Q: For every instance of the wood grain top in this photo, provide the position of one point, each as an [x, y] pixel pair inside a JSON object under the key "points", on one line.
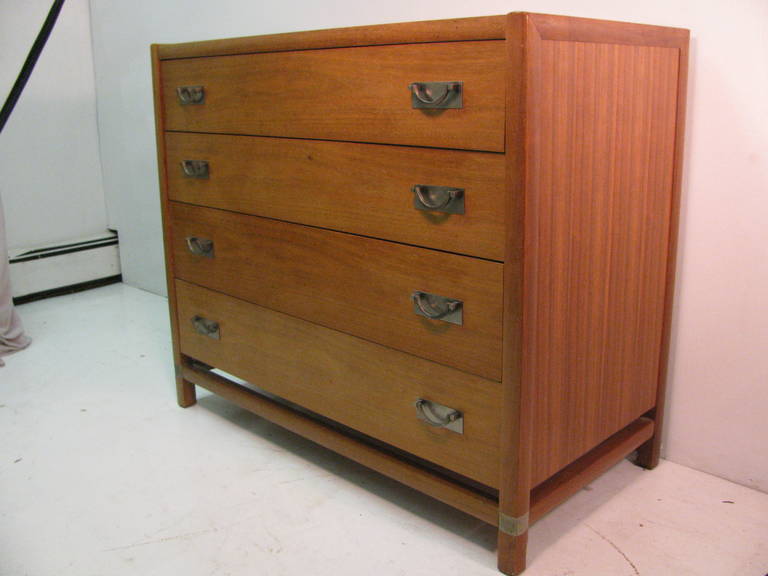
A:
{"points": [[590, 30], [453, 30]]}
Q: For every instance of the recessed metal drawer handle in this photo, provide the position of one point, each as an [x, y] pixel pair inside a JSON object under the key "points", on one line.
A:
{"points": [[437, 307], [190, 95], [200, 246], [440, 416], [195, 168], [439, 95], [438, 198], [206, 327]]}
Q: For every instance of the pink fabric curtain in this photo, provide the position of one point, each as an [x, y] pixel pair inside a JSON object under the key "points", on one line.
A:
{"points": [[12, 337]]}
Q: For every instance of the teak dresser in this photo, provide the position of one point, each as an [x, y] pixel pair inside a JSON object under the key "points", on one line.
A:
{"points": [[445, 249]]}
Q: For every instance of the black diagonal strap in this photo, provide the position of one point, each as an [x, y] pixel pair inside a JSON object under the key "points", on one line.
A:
{"points": [[29, 63]]}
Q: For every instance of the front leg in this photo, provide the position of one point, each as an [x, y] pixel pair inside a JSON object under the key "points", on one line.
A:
{"points": [[512, 552]]}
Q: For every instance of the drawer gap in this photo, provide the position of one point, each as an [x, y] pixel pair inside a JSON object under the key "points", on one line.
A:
{"points": [[258, 135], [297, 223]]}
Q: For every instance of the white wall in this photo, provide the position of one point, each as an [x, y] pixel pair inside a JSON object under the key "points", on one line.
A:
{"points": [[719, 366], [50, 174]]}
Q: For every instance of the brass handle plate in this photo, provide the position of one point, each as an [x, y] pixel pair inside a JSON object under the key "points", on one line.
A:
{"points": [[438, 199], [195, 168], [437, 95], [438, 307], [190, 95], [206, 327], [440, 416], [200, 246]]}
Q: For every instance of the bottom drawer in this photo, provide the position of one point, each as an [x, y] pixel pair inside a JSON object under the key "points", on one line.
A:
{"points": [[368, 387]]}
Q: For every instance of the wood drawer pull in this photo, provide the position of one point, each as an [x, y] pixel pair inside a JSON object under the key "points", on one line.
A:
{"points": [[200, 246], [195, 168], [206, 327], [437, 95], [438, 199], [440, 416], [190, 95], [437, 307]]}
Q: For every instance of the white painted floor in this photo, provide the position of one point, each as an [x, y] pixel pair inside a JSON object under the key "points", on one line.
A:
{"points": [[102, 474]]}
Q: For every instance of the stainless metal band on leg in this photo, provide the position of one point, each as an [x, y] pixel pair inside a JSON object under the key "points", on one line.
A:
{"points": [[513, 526]]}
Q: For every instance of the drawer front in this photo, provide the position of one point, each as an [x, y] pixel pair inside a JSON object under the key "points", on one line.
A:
{"points": [[368, 387], [361, 188], [351, 283], [356, 94]]}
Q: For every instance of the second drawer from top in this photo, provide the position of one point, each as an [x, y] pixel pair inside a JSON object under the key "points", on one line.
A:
{"points": [[446, 199]]}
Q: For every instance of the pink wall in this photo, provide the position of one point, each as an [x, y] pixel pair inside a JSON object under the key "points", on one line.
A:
{"points": [[719, 364]]}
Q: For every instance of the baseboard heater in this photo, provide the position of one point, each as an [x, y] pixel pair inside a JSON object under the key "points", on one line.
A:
{"points": [[63, 268]]}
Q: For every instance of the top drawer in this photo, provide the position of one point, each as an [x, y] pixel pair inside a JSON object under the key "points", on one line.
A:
{"points": [[355, 94]]}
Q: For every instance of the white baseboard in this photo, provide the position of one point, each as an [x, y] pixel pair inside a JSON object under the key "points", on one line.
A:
{"points": [[49, 268]]}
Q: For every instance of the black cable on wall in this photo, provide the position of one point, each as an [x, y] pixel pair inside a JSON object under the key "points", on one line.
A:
{"points": [[29, 63]]}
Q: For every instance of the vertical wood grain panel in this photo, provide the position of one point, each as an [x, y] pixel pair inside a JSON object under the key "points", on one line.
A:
{"points": [[649, 453], [602, 150], [515, 483]]}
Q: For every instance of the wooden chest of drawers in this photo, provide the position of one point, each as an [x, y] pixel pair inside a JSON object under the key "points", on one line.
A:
{"points": [[443, 249]]}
